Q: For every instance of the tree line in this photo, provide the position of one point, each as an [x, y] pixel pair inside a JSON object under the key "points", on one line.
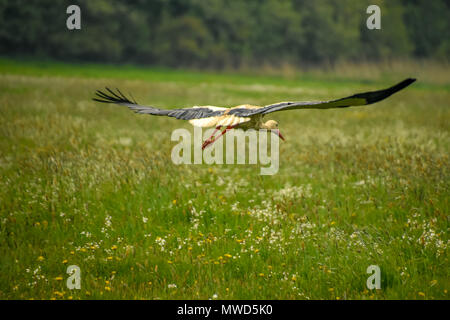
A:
{"points": [[225, 33]]}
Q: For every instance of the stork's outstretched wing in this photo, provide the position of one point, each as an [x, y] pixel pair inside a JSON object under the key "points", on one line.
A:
{"points": [[183, 114], [358, 99], [208, 116]]}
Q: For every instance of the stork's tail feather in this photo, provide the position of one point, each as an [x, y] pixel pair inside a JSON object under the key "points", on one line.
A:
{"points": [[113, 97]]}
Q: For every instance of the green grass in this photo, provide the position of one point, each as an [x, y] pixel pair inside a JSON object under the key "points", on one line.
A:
{"points": [[93, 185]]}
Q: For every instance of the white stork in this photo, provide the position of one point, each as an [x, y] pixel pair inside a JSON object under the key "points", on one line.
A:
{"points": [[246, 116]]}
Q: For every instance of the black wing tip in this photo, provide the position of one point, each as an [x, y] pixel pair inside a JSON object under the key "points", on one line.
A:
{"points": [[401, 85], [407, 82], [112, 97], [375, 96], [100, 100]]}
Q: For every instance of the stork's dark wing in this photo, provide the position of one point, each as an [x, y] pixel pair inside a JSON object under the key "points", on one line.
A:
{"points": [[183, 114], [358, 99]]}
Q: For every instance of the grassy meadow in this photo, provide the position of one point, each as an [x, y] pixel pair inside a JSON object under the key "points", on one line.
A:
{"points": [[93, 185]]}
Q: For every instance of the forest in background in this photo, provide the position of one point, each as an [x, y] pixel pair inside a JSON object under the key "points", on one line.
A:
{"points": [[219, 34]]}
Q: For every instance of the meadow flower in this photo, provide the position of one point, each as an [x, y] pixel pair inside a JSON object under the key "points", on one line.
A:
{"points": [[292, 192], [161, 242], [58, 293], [108, 222], [86, 234]]}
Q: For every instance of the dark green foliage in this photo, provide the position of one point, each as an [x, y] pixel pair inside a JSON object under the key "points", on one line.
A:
{"points": [[220, 33]]}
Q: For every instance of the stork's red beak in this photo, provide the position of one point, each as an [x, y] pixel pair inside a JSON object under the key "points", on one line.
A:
{"points": [[278, 133]]}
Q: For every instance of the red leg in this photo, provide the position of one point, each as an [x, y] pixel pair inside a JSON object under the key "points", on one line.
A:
{"points": [[221, 134], [210, 139]]}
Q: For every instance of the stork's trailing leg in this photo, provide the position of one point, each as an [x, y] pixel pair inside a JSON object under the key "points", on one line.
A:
{"points": [[212, 139]]}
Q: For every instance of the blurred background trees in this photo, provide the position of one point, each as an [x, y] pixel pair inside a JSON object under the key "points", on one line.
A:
{"points": [[225, 34]]}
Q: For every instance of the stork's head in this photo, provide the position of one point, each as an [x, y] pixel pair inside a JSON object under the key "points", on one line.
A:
{"points": [[272, 125]]}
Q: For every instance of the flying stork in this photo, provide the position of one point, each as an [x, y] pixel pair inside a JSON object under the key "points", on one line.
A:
{"points": [[245, 116]]}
